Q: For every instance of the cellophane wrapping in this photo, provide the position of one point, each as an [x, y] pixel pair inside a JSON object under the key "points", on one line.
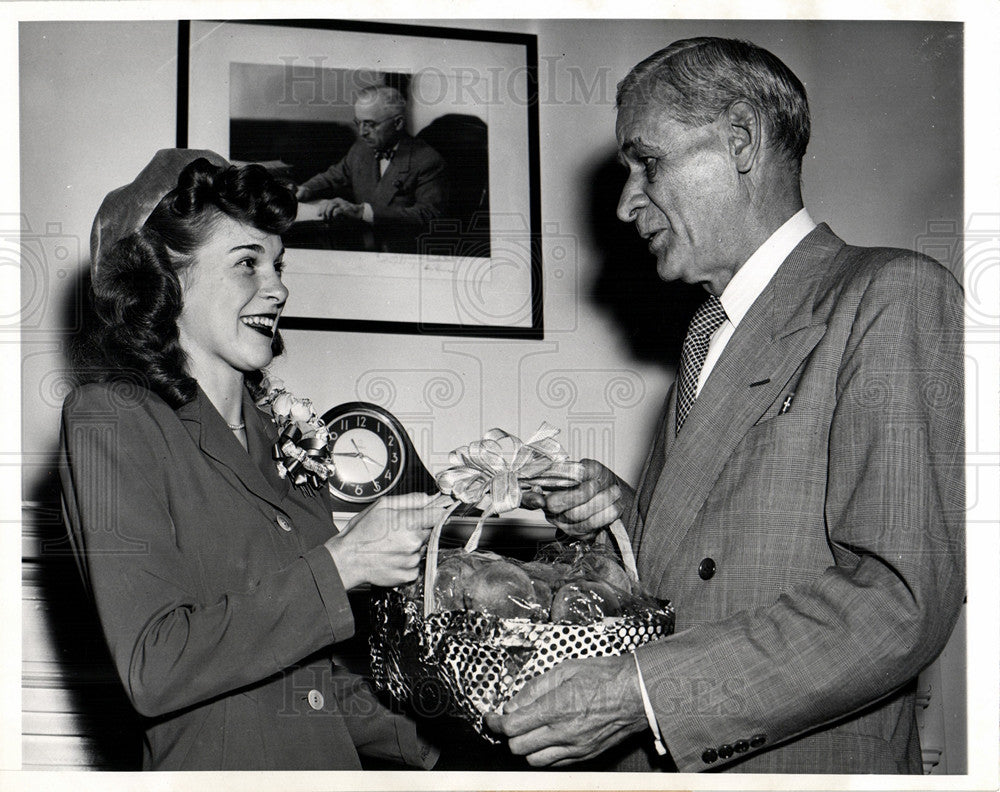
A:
{"points": [[472, 655]]}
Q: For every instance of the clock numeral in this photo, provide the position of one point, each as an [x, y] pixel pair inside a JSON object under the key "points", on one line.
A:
{"points": [[391, 441], [395, 457], [359, 490], [343, 425], [362, 421], [388, 474], [378, 487]]}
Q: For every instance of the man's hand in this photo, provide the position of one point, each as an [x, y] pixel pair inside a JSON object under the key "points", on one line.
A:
{"points": [[338, 207], [597, 501], [576, 711]]}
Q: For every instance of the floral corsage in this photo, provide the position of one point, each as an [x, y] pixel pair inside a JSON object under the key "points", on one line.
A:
{"points": [[303, 450]]}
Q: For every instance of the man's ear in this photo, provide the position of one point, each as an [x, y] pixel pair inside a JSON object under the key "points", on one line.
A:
{"points": [[744, 134]]}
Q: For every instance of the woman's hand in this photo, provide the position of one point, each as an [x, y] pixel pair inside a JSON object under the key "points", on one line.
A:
{"points": [[598, 500], [383, 544]]}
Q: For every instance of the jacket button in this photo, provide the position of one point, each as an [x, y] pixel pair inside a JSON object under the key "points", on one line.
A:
{"points": [[706, 569], [709, 756], [284, 523], [315, 699], [757, 740], [741, 746], [725, 751]]}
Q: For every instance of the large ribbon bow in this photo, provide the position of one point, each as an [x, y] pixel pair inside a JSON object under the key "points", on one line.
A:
{"points": [[493, 472]]}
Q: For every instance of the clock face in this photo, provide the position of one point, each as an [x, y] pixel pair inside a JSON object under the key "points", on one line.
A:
{"points": [[368, 455]]}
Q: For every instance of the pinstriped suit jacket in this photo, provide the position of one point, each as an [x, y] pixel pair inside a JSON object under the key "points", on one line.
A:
{"points": [[835, 524]]}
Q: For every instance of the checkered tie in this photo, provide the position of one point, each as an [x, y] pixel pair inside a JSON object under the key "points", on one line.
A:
{"points": [[706, 321]]}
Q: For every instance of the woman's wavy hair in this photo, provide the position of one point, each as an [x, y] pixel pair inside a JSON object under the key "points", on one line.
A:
{"points": [[136, 291]]}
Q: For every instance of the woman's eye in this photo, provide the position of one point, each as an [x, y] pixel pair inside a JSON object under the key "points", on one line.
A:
{"points": [[248, 263], [279, 267]]}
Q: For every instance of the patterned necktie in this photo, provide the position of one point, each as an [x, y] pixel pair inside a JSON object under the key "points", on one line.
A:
{"points": [[707, 319]]}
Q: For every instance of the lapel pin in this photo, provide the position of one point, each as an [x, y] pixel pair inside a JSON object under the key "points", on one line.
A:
{"points": [[786, 405]]}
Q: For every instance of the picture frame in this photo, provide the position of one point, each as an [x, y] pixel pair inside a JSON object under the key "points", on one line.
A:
{"points": [[282, 92]]}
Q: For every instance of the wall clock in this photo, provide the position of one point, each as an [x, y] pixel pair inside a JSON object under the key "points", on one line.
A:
{"points": [[373, 456]]}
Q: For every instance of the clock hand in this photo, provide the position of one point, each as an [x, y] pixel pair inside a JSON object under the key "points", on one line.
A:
{"points": [[364, 458], [347, 454]]}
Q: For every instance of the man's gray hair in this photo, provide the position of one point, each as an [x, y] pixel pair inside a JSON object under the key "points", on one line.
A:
{"points": [[388, 96], [699, 79]]}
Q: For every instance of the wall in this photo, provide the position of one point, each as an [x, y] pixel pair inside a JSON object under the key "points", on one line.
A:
{"points": [[885, 162]]}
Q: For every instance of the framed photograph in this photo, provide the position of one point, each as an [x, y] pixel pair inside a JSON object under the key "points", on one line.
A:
{"points": [[414, 151]]}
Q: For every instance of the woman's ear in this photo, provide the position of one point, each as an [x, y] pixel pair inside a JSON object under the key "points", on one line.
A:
{"points": [[744, 135]]}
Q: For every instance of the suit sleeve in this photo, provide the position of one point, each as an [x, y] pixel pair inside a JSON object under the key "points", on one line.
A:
{"points": [[894, 507], [173, 648], [333, 182], [429, 194]]}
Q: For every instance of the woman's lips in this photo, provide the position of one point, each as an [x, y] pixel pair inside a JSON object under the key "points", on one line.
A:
{"points": [[265, 324]]}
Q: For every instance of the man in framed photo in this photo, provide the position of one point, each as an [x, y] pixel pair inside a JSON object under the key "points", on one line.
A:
{"points": [[389, 185]]}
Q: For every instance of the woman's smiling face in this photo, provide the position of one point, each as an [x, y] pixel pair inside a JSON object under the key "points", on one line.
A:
{"points": [[231, 298]]}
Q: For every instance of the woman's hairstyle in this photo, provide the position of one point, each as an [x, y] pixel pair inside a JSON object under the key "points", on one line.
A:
{"points": [[697, 80], [132, 331]]}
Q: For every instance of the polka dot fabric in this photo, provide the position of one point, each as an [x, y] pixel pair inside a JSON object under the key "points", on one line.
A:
{"points": [[467, 664]]}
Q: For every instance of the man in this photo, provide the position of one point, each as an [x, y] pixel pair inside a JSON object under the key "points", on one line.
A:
{"points": [[389, 182], [802, 503]]}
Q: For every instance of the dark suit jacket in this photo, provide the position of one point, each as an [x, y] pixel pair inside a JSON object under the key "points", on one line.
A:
{"points": [[404, 199], [216, 595], [835, 526]]}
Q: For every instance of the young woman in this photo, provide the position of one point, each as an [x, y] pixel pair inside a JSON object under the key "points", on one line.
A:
{"points": [[220, 585]]}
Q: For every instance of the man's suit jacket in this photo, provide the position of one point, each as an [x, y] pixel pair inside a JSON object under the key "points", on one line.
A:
{"points": [[807, 522], [404, 199], [217, 598]]}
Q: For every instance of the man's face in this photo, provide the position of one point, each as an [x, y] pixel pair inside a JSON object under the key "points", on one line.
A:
{"points": [[682, 193], [378, 126]]}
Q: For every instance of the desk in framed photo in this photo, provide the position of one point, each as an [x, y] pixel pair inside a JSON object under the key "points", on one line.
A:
{"points": [[451, 241]]}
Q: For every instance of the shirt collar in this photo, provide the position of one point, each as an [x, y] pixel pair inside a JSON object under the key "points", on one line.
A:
{"points": [[749, 280]]}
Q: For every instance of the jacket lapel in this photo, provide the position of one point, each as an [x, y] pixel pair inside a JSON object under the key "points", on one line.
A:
{"points": [[776, 335], [217, 441], [397, 173]]}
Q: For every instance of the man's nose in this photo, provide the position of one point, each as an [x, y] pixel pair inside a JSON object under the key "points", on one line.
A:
{"points": [[631, 200]]}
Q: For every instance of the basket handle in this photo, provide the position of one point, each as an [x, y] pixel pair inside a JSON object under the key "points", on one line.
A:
{"points": [[616, 529]]}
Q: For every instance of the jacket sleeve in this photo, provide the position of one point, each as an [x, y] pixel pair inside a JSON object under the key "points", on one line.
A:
{"points": [[894, 510], [173, 648], [333, 182]]}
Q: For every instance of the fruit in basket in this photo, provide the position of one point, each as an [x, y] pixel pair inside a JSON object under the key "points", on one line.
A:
{"points": [[504, 589], [584, 601], [604, 567], [454, 575]]}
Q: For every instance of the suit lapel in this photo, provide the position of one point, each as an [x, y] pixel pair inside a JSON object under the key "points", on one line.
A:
{"points": [[776, 335], [397, 172], [217, 441]]}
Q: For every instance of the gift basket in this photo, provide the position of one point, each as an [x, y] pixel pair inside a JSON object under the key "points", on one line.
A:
{"points": [[468, 635]]}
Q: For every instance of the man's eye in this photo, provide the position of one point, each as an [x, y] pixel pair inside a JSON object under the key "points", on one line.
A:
{"points": [[650, 164]]}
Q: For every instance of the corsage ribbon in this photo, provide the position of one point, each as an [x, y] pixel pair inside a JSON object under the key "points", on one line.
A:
{"points": [[302, 456], [302, 450]]}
